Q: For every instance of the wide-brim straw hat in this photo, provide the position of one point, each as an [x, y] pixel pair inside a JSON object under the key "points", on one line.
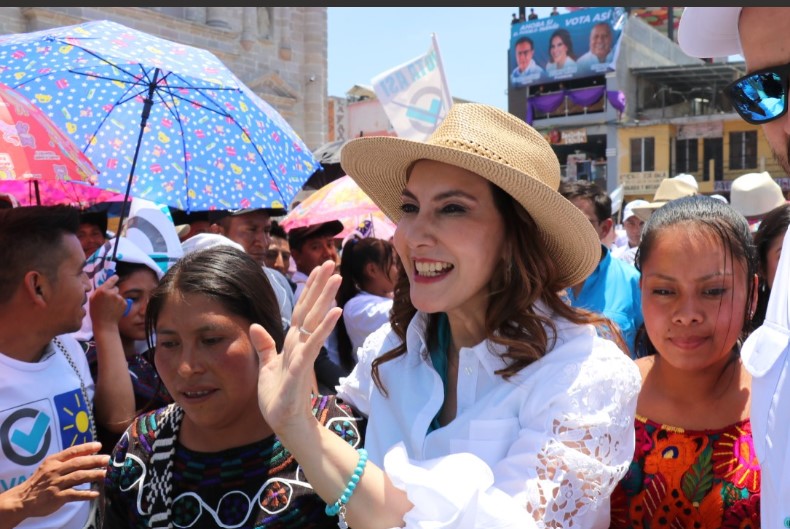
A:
{"points": [[669, 189], [502, 149]]}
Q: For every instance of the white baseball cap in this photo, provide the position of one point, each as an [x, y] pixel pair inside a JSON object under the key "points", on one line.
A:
{"points": [[628, 211], [709, 31]]}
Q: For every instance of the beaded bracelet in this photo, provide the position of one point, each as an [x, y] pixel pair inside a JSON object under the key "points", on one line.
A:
{"points": [[338, 508]]}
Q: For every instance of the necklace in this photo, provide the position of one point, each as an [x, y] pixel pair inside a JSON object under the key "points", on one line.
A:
{"points": [[83, 389]]}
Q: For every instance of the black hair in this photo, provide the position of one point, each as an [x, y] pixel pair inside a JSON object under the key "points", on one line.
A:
{"points": [[357, 253], [227, 275], [774, 224], [602, 202], [278, 231], [31, 238], [525, 39], [705, 216], [565, 37]]}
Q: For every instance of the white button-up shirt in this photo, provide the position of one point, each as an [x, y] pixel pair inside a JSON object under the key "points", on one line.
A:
{"points": [[545, 447]]}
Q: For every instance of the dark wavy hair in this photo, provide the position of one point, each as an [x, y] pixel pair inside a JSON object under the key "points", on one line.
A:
{"points": [[356, 255], [565, 37], [526, 275], [227, 275], [774, 225], [701, 215]]}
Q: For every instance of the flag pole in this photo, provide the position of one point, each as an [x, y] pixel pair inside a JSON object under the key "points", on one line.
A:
{"points": [[445, 86]]}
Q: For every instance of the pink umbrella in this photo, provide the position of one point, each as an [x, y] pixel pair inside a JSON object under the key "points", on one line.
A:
{"points": [[36, 154], [342, 200], [51, 192]]}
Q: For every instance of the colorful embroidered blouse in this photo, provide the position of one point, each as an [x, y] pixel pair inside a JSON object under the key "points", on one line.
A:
{"points": [[689, 479], [258, 486]]}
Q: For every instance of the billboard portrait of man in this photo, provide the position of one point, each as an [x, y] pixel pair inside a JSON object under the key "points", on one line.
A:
{"points": [[527, 70], [601, 52]]}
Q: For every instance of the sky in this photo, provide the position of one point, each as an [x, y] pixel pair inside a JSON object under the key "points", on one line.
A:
{"points": [[473, 43]]}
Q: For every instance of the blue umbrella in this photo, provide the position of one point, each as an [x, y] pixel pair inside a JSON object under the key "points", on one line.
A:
{"points": [[160, 120]]}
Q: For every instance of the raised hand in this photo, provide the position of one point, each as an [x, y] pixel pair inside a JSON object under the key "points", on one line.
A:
{"points": [[285, 380], [107, 306], [53, 482]]}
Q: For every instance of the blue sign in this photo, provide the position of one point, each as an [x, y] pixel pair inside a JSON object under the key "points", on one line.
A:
{"points": [[580, 44]]}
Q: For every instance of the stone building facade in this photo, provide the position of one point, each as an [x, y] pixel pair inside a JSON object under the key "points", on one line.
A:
{"points": [[279, 52]]}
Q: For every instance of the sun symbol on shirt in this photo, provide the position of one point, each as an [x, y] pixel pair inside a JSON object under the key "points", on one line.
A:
{"points": [[73, 418]]}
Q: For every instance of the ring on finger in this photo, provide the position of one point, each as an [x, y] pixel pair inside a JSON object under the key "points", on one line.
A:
{"points": [[305, 332]]}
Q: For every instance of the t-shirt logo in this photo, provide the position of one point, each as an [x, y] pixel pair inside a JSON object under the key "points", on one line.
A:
{"points": [[26, 431]]}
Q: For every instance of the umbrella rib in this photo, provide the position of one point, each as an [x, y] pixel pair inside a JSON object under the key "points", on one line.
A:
{"points": [[173, 109], [103, 120], [135, 82], [100, 58]]}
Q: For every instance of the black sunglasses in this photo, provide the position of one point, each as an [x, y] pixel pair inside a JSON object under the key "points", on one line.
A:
{"points": [[761, 96]]}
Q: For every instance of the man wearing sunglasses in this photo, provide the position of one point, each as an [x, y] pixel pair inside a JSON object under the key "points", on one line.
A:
{"points": [[760, 97]]}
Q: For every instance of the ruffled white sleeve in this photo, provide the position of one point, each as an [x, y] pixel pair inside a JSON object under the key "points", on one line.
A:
{"points": [[571, 444]]}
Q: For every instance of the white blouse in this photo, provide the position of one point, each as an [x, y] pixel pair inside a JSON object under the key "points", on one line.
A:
{"points": [[542, 449], [363, 314]]}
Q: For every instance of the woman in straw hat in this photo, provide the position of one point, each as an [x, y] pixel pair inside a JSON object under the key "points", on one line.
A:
{"points": [[491, 402]]}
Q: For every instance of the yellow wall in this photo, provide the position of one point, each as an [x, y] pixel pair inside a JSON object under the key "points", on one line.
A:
{"points": [[664, 135]]}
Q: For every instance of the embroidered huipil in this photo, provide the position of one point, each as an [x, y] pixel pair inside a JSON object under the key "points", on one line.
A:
{"points": [[544, 448]]}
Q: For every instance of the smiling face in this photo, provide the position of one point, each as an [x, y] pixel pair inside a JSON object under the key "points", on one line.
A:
{"points": [[137, 286], [91, 238], [208, 364], [762, 32], [693, 314], [558, 51], [601, 41], [450, 238]]}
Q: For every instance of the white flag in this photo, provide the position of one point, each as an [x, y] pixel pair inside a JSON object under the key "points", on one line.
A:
{"points": [[415, 95]]}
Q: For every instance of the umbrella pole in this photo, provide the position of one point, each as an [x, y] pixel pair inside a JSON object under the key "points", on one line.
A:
{"points": [[38, 194], [148, 102]]}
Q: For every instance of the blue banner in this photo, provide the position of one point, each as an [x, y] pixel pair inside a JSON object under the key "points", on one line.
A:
{"points": [[580, 44]]}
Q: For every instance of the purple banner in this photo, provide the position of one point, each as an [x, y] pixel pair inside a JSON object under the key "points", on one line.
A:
{"points": [[584, 97]]}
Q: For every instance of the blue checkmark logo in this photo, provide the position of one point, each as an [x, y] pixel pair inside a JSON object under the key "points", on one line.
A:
{"points": [[31, 440]]}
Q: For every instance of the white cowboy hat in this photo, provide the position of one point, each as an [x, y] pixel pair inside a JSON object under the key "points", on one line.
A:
{"points": [[502, 149], [755, 194], [668, 189]]}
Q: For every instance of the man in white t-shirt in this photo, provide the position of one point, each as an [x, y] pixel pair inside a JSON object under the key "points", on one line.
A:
{"points": [[47, 395]]}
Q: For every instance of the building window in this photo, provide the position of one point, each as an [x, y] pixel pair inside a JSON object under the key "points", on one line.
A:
{"points": [[686, 156], [743, 149], [643, 155]]}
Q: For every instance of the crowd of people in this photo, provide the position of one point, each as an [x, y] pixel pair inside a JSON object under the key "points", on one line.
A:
{"points": [[504, 360]]}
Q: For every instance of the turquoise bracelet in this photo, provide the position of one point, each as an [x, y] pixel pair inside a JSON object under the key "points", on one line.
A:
{"points": [[334, 508]]}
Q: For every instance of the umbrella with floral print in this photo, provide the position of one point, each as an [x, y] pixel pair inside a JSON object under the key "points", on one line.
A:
{"points": [[160, 120]]}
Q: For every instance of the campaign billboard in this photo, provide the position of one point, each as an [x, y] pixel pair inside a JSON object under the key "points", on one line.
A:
{"points": [[580, 44]]}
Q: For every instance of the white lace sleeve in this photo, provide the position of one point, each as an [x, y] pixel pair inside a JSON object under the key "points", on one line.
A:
{"points": [[575, 442]]}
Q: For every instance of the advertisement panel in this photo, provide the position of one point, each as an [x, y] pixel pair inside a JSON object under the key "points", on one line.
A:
{"points": [[580, 44]]}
